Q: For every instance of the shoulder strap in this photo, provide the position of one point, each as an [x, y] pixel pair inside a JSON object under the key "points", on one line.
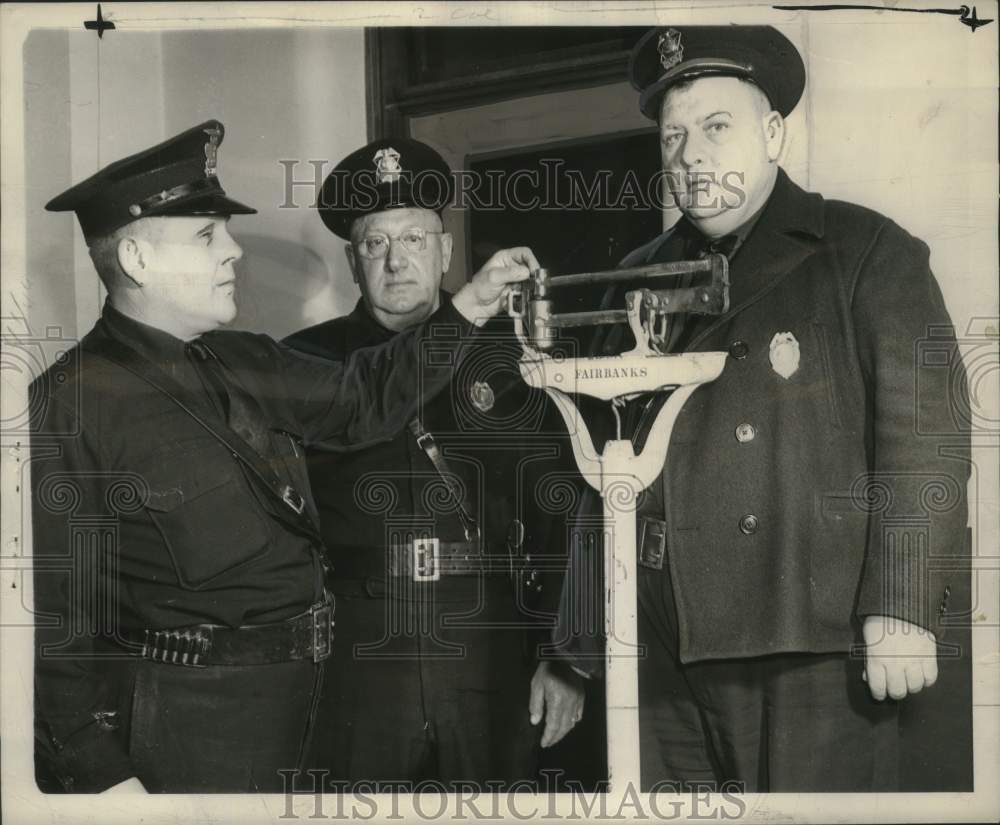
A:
{"points": [[426, 442], [291, 509]]}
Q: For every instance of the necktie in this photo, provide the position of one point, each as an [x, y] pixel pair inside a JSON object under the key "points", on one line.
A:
{"points": [[699, 247], [246, 418], [237, 406]]}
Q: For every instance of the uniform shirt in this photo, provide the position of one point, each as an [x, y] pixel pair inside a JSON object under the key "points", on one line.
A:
{"points": [[143, 520], [365, 496]]}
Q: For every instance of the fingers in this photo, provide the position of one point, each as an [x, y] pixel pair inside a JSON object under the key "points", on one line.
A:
{"points": [[901, 657], [876, 680], [914, 675], [558, 720], [564, 708], [895, 681], [528, 259], [570, 712], [520, 255], [536, 701], [509, 274], [512, 265], [930, 668]]}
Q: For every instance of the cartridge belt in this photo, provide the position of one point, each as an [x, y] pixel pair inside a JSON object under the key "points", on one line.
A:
{"points": [[308, 635]]}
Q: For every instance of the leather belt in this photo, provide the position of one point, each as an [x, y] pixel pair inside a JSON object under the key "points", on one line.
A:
{"points": [[309, 635], [423, 560]]}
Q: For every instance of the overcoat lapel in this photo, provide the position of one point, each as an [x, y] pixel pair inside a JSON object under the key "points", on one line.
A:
{"points": [[782, 239]]}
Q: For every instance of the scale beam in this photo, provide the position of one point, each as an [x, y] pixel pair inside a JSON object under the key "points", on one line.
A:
{"points": [[531, 305]]}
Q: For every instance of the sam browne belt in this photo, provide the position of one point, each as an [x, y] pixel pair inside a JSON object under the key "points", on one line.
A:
{"points": [[424, 560]]}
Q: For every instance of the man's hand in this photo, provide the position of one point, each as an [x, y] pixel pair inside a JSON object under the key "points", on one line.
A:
{"points": [[900, 657], [132, 785], [483, 297], [556, 696]]}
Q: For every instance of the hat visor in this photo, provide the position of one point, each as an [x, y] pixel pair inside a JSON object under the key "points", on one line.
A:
{"points": [[205, 204], [651, 97]]}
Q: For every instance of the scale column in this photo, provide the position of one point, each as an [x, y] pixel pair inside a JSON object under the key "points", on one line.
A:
{"points": [[620, 490]]}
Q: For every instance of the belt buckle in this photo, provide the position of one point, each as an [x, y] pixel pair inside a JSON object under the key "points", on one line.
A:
{"points": [[322, 630], [291, 497], [426, 560], [652, 543]]}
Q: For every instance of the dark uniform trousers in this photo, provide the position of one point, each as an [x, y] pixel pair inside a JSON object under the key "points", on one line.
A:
{"points": [[430, 680], [416, 691], [222, 729], [800, 722]]}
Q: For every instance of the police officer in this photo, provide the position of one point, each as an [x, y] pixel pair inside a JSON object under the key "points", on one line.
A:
{"points": [[433, 544], [777, 537], [182, 620]]}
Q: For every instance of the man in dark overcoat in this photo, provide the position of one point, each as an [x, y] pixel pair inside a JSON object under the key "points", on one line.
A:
{"points": [[793, 554], [182, 624]]}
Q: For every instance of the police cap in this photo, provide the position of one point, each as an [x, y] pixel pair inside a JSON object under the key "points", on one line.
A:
{"points": [[390, 173], [177, 177], [664, 57]]}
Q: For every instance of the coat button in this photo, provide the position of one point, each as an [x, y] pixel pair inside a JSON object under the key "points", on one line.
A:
{"points": [[739, 350], [745, 432], [749, 524]]}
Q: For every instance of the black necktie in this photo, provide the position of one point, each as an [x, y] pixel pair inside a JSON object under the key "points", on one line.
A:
{"points": [[701, 247], [237, 406], [698, 246]]}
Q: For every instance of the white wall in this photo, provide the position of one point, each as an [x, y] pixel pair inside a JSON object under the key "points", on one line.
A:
{"points": [[282, 94], [292, 94], [908, 126], [86, 103]]}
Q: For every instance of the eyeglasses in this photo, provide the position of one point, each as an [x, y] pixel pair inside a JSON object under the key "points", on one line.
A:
{"points": [[377, 245]]}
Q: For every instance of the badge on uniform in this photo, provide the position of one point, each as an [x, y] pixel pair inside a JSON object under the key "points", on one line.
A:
{"points": [[482, 396], [212, 150], [387, 165], [669, 46], [784, 354]]}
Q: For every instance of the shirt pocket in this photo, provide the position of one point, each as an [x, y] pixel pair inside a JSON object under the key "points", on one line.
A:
{"points": [[207, 517]]}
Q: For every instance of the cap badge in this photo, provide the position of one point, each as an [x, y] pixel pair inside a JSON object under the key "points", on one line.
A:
{"points": [[212, 150], [670, 48], [482, 396], [784, 354], [387, 165]]}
